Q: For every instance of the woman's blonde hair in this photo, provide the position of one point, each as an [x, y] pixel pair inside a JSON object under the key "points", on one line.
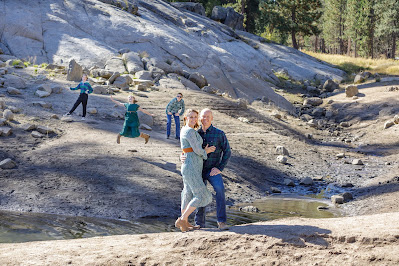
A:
{"points": [[187, 113], [134, 101]]}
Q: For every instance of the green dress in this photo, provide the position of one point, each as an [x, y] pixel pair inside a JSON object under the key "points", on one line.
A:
{"points": [[131, 126]]}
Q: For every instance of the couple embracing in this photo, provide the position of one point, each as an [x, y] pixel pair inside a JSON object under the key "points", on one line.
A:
{"points": [[206, 152]]}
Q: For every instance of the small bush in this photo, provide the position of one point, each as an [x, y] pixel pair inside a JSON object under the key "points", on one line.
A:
{"points": [[16, 62], [282, 76], [43, 65], [27, 64]]}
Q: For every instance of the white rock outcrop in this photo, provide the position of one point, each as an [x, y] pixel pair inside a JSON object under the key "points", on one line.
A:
{"points": [[235, 62]]}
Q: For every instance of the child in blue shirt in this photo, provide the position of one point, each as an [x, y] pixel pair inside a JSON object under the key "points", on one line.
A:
{"points": [[85, 89]]}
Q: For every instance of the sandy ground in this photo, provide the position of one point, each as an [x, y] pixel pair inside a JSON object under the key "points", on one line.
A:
{"points": [[80, 170], [361, 240]]}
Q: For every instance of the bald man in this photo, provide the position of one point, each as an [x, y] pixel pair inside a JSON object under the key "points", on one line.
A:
{"points": [[213, 167]]}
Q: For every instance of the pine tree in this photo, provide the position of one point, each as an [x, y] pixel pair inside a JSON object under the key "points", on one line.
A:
{"points": [[292, 16], [360, 23], [387, 12], [333, 20]]}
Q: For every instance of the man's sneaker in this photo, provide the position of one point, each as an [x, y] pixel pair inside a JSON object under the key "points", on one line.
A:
{"points": [[167, 137], [83, 118], [67, 114], [222, 226], [177, 138]]}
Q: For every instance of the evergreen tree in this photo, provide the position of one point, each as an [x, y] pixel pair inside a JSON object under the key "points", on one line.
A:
{"points": [[332, 24], [252, 15], [360, 23], [292, 16], [387, 12]]}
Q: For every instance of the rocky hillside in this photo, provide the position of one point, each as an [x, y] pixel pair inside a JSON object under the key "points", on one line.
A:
{"points": [[170, 42]]}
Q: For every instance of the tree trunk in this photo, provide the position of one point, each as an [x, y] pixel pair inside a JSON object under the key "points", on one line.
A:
{"points": [[323, 46], [393, 46], [242, 7], [349, 47], [341, 41], [316, 41], [293, 31], [355, 48], [294, 42]]}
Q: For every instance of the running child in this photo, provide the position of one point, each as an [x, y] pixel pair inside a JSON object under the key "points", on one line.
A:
{"points": [[131, 125]]}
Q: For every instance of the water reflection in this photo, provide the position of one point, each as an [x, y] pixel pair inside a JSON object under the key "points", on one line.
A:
{"points": [[24, 227]]}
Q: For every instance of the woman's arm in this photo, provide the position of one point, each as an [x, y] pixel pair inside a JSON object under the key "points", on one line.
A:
{"points": [[118, 103], [146, 112], [195, 144]]}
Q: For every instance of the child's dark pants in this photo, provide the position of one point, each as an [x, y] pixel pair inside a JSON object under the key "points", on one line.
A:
{"points": [[82, 99]]}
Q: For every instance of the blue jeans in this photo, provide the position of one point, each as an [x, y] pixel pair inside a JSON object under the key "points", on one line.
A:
{"points": [[217, 184], [169, 123]]}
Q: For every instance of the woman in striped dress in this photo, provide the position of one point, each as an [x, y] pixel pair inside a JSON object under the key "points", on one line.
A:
{"points": [[194, 194]]}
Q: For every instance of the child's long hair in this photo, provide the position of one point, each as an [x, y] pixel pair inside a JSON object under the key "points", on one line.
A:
{"points": [[134, 98], [187, 113]]}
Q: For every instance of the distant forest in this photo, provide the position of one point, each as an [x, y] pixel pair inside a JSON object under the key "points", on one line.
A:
{"points": [[359, 28]]}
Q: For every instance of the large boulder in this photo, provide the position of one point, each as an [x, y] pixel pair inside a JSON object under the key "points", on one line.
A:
{"points": [[198, 79], [351, 90], [359, 78], [7, 164], [97, 72], [190, 6], [143, 74], [99, 89], [234, 19], [133, 62], [44, 130], [228, 16], [115, 64], [145, 119], [8, 115], [14, 81], [45, 87], [123, 82], [219, 13], [13, 91], [330, 85], [5, 131], [43, 104], [42, 94], [313, 101], [75, 71]]}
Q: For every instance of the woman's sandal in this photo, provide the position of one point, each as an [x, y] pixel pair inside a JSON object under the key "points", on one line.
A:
{"points": [[183, 225]]}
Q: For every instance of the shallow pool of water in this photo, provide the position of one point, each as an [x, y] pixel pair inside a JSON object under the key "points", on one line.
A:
{"points": [[24, 227]]}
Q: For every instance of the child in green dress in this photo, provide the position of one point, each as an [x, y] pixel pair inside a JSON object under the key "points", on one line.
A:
{"points": [[131, 126]]}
